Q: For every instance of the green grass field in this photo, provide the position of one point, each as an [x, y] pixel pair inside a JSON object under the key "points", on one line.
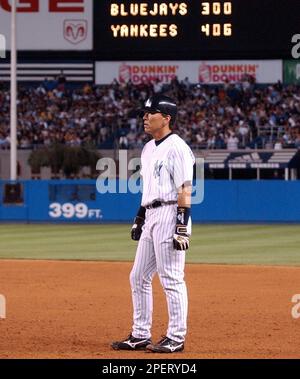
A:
{"points": [[226, 244]]}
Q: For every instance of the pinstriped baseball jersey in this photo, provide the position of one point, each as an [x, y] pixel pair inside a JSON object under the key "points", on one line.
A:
{"points": [[165, 168]]}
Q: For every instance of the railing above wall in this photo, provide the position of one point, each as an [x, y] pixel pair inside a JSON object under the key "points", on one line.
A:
{"points": [[37, 72]]}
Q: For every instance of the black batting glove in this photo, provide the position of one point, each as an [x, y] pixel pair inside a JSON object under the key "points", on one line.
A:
{"points": [[181, 238], [137, 227]]}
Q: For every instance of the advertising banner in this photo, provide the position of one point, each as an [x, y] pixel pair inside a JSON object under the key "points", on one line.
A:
{"points": [[215, 72], [49, 24], [291, 72], [207, 72], [77, 201], [256, 159]]}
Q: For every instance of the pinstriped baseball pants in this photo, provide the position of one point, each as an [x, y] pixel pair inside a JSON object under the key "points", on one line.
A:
{"points": [[155, 253]]}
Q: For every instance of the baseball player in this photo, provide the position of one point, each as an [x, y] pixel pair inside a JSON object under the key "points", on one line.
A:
{"points": [[162, 227]]}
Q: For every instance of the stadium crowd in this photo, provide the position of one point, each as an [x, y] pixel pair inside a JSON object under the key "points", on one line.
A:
{"points": [[228, 116]]}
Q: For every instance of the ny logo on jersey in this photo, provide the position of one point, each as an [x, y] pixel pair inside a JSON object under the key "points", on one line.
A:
{"points": [[157, 167]]}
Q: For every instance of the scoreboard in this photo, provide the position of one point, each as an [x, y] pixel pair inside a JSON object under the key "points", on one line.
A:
{"points": [[195, 29]]}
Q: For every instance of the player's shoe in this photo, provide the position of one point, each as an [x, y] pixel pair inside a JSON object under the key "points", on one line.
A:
{"points": [[131, 343], [166, 345]]}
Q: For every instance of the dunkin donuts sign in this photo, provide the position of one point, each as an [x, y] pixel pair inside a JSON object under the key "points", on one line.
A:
{"points": [[139, 73], [208, 72], [220, 73], [215, 72]]}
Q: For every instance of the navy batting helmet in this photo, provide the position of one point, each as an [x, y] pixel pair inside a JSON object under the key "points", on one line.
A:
{"points": [[161, 104]]}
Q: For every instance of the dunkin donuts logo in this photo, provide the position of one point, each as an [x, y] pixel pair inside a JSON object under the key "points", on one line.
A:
{"points": [[219, 73], [145, 73], [124, 73]]}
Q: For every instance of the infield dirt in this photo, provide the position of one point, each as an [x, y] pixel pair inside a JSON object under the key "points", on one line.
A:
{"points": [[75, 309]]}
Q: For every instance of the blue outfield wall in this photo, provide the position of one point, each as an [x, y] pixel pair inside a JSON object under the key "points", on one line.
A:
{"points": [[224, 201]]}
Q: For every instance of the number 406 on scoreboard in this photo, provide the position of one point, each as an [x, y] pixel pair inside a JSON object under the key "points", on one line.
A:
{"points": [[217, 30]]}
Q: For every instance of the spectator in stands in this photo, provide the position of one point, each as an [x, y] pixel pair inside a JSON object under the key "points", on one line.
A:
{"points": [[278, 144], [297, 140], [241, 115], [243, 131], [232, 141], [157, 86], [4, 141], [61, 81], [123, 142]]}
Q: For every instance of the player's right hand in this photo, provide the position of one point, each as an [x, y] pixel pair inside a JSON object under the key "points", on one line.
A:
{"points": [[181, 238], [137, 228]]}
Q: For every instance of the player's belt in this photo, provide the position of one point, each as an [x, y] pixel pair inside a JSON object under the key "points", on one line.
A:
{"points": [[157, 204]]}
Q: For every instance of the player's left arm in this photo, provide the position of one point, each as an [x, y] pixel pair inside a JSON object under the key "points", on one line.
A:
{"points": [[185, 195], [181, 240], [184, 161]]}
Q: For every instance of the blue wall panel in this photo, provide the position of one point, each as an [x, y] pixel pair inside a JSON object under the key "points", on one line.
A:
{"points": [[224, 201]]}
